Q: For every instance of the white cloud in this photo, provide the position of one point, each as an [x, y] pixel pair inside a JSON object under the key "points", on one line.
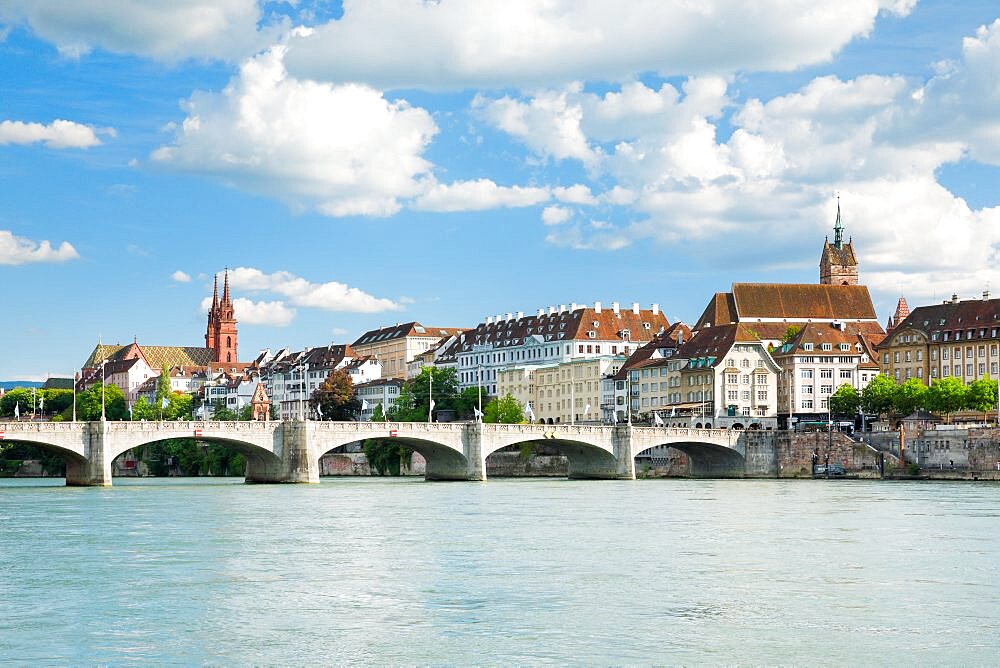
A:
{"points": [[477, 196], [575, 194], [168, 31], [250, 312], [338, 331], [549, 123], [597, 235], [19, 250], [555, 215], [527, 44], [57, 134], [342, 150], [330, 296], [181, 277]]}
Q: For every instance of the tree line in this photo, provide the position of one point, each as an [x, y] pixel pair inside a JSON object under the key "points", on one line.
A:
{"points": [[944, 396]]}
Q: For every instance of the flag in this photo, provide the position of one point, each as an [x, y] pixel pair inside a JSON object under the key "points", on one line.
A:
{"points": [[164, 403], [432, 404], [130, 409], [657, 420], [41, 402], [364, 405], [530, 414], [17, 411], [586, 409], [673, 411], [201, 411], [478, 413]]}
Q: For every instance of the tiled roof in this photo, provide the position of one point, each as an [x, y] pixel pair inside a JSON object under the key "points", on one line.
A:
{"points": [[398, 382], [843, 256], [643, 356], [807, 300], [156, 356], [404, 330], [972, 314], [721, 310], [577, 325], [320, 357], [709, 346]]}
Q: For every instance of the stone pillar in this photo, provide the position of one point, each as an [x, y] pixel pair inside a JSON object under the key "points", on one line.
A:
{"points": [[472, 444], [297, 461], [95, 469], [621, 440]]}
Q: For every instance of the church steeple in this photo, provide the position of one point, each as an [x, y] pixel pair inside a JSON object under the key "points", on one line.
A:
{"points": [[838, 264], [221, 335], [838, 228]]}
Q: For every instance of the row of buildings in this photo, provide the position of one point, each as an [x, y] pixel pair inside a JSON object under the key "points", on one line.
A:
{"points": [[758, 355]]}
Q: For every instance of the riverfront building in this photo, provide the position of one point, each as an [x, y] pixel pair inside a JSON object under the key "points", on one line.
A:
{"points": [[395, 347]]}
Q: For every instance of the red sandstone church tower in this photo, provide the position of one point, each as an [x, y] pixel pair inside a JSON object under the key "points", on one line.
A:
{"points": [[221, 333]]}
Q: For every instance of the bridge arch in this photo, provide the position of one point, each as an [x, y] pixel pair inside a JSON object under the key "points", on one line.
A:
{"points": [[260, 460], [589, 451], [706, 459], [444, 460]]}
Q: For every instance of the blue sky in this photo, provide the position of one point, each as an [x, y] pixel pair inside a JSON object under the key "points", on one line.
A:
{"points": [[379, 162]]}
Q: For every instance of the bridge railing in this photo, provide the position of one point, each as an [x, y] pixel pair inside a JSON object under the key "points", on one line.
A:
{"points": [[39, 427]]}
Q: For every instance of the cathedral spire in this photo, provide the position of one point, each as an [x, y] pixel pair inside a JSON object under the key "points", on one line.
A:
{"points": [[215, 295], [225, 288], [838, 228]]}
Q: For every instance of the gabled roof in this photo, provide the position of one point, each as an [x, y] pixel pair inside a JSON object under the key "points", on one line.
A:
{"points": [[802, 301], [400, 331], [709, 346], [646, 355], [953, 315], [843, 256], [156, 356], [721, 310]]}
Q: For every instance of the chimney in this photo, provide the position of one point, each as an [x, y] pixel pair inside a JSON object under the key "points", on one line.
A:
{"points": [[520, 315], [656, 309], [680, 337], [552, 310], [541, 312], [573, 306], [635, 308], [597, 307], [562, 308], [497, 320], [954, 298], [489, 320], [615, 308], [509, 316], [986, 294]]}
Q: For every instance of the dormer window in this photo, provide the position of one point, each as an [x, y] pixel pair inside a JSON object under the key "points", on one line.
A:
{"points": [[592, 334], [807, 347], [826, 346]]}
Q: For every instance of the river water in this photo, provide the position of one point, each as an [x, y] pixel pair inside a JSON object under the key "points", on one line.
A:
{"points": [[399, 571]]}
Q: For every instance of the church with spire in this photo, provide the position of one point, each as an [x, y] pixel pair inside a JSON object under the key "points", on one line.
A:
{"points": [[838, 265], [221, 334], [130, 365]]}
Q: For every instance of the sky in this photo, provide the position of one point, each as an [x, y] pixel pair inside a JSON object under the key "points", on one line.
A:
{"points": [[370, 162]]}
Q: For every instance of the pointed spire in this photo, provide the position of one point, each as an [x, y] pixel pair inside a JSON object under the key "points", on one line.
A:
{"points": [[215, 294], [225, 288], [838, 228]]}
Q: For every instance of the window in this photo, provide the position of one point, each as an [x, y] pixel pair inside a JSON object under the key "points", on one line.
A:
{"points": [[807, 373], [826, 346], [846, 374], [885, 358], [732, 378], [895, 357], [944, 354], [968, 370], [760, 364], [807, 347], [745, 395], [826, 389], [807, 389], [732, 395], [934, 355], [982, 368], [906, 356], [761, 379], [745, 364], [920, 372], [968, 353], [826, 373], [761, 395], [746, 411], [746, 379], [807, 403]]}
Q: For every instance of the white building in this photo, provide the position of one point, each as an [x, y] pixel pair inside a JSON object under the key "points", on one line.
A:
{"points": [[382, 392], [290, 377], [555, 336]]}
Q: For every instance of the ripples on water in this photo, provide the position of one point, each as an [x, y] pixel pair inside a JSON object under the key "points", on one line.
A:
{"points": [[390, 571]]}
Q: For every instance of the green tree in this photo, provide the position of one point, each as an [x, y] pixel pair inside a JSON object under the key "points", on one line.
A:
{"points": [[466, 402], [57, 401], [790, 333], [222, 412], [143, 410], [335, 397], [246, 413], [846, 400], [404, 409], [178, 406], [378, 415], [445, 391], [877, 397], [88, 403], [981, 395], [19, 395], [947, 395], [505, 410], [386, 456], [909, 397], [163, 390]]}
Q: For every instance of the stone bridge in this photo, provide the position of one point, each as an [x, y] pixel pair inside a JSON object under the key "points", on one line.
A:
{"points": [[289, 451]]}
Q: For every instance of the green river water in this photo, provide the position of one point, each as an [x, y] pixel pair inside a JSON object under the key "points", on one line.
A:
{"points": [[399, 571]]}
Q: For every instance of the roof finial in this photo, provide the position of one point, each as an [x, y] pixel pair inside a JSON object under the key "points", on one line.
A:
{"points": [[838, 227]]}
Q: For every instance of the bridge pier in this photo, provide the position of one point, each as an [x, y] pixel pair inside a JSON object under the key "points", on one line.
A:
{"points": [[94, 470]]}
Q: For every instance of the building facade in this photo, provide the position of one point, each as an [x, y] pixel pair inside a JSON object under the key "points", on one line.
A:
{"points": [[372, 394], [395, 347]]}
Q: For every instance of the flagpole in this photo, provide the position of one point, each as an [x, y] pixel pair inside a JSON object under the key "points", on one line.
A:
{"points": [[479, 383], [74, 396], [430, 395], [103, 380], [572, 396]]}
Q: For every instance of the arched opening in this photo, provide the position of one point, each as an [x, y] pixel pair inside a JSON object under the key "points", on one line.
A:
{"points": [[691, 459], [395, 456], [229, 342], [754, 426], [197, 457], [552, 457], [737, 426], [697, 425], [31, 459], [708, 425], [229, 357]]}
